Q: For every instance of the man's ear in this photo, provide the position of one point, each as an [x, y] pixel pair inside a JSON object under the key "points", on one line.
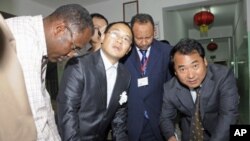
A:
{"points": [[102, 37], [205, 61], [58, 28]]}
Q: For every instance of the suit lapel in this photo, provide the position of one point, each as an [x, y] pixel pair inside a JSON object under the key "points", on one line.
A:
{"points": [[135, 61], [136, 57], [153, 57], [185, 98], [101, 78], [206, 91]]}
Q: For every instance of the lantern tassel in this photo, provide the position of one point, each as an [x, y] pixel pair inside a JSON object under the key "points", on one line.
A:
{"points": [[203, 28]]}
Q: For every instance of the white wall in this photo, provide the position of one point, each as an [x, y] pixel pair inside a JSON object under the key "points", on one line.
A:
{"points": [[24, 7], [174, 27], [213, 32], [220, 33], [113, 9], [221, 53], [155, 9]]}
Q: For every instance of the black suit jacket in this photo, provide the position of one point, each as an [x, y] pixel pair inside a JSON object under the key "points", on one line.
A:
{"points": [[218, 105], [82, 111]]}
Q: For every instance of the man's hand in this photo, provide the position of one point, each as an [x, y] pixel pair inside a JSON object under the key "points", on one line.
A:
{"points": [[173, 138]]}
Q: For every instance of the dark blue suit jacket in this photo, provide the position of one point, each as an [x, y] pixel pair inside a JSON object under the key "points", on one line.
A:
{"points": [[218, 105], [148, 97]]}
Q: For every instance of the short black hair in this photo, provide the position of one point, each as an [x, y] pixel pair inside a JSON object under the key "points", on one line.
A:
{"points": [[187, 46], [142, 18], [165, 41], [74, 14], [119, 22], [100, 16]]}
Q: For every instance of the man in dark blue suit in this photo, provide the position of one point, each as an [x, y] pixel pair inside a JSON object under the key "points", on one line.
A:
{"points": [[210, 88], [148, 64]]}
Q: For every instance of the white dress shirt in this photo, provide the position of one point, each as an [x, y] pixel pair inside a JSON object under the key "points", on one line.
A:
{"points": [[111, 73], [193, 94]]}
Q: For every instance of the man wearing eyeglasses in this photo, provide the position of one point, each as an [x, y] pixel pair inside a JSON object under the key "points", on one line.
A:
{"points": [[93, 93], [100, 23], [39, 40]]}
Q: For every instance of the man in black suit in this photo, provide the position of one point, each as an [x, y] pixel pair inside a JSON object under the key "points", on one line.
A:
{"points": [[93, 92], [197, 84]]}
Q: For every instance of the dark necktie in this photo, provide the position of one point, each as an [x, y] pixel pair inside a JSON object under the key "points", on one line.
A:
{"points": [[44, 67], [196, 125], [143, 61]]}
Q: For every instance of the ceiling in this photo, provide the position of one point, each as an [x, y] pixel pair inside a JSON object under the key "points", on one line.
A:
{"points": [[56, 3], [224, 13]]}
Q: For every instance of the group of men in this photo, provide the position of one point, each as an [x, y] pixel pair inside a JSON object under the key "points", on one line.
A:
{"points": [[123, 83]]}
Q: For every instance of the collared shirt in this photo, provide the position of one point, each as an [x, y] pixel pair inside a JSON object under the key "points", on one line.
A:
{"points": [[193, 94], [139, 53], [111, 74], [31, 47]]}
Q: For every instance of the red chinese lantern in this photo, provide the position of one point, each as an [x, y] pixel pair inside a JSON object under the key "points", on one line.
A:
{"points": [[203, 19], [212, 46]]}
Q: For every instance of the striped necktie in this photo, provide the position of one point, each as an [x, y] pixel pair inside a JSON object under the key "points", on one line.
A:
{"points": [[143, 61]]}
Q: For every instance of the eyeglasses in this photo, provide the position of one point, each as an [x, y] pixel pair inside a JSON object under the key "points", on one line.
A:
{"points": [[75, 48], [125, 39]]}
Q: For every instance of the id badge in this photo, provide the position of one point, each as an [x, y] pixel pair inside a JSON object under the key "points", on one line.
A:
{"points": [[142, 81]]}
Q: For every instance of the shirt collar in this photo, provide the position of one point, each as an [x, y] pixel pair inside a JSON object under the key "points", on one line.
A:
{"points": [[41, 33], [107, 63], [138, 49]]}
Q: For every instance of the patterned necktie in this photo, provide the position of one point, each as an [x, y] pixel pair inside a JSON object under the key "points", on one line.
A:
{"points": [[44, 67], [196, 125], [143, 61]]}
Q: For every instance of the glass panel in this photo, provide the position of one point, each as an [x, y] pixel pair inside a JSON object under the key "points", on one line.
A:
{"points": [[243, 81]]}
